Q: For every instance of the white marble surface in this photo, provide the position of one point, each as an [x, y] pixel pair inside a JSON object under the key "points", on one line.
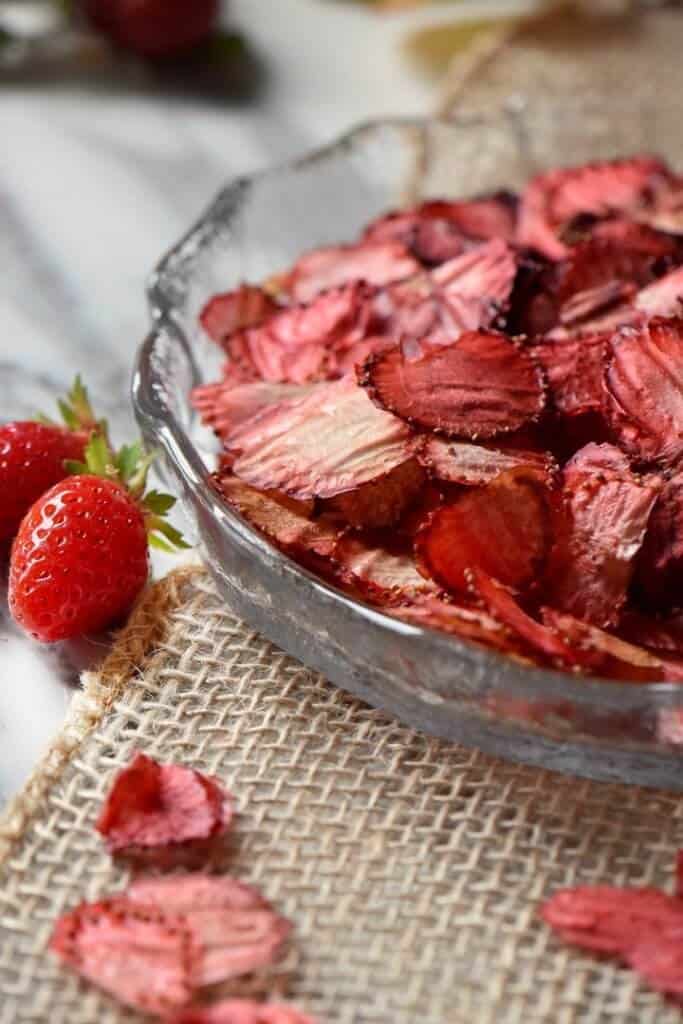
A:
{"points": [[95, 182]]}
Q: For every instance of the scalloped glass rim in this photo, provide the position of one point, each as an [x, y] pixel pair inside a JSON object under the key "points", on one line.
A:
{"points": [[505, 678]]}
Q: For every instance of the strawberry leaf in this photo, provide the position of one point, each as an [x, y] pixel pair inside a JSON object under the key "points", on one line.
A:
{"points": [[164, 536], [159, 503], [128, 460]]}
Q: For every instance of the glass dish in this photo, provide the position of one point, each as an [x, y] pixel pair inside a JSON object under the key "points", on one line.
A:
{"points": [[434, 682]]}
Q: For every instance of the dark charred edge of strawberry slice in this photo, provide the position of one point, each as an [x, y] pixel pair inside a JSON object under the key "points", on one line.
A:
{"points": [[364, 377]]}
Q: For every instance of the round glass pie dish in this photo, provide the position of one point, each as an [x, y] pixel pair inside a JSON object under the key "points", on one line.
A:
{"points": [[259, 225]]}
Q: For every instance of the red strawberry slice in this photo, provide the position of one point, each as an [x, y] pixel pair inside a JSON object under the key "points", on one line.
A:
{"points": [[229, 312], [224, 406], [608, 509], [460, 462], [377, 264], [330, 442], [609, 919], [162, 809], [662, 298], [644, 390], [504, 529], [285, 522], [242, 1011], [144, 956], [438, 230], [574, 370], [479, 386], [660, 561], [551, 200], [379, 502], [301, 344], [609, 655], [542, 639], [385, 575], [463, 294], [234, 929], [471, 624]]}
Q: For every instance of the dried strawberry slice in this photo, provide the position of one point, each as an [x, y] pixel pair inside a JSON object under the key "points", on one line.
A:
{"points": [[504, 529], [658, 958], [610, 655], [142, 955], [300, 344], [612, 920], [235, 930], [471, 624], [242, 1011], [542, 639], [229, 312], [553, 199], [152, 807], [380, 502], [330, 442], [438, 230], [644, 390], [382, 574], [285, 522], [224, 406], [479, 386], [434, 241], [461, 295], [608, 509], [378, 263], [574, 370], [660, 561], [460, 462], [662, 298], [635, 237]]}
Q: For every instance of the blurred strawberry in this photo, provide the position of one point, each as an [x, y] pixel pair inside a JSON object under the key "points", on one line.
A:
{"points": [[153, 28], [33, 453], [80, 557]]}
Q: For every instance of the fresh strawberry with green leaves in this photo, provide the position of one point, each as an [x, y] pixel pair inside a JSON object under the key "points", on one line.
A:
{"points": [[33, 453], [80, 558]]}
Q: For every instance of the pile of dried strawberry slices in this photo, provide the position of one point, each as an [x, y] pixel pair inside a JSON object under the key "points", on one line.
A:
{"points": [[472, 417]]}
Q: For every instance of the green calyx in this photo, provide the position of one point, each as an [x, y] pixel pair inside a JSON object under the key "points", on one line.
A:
{"points": [[76, 412], [128, 467]]}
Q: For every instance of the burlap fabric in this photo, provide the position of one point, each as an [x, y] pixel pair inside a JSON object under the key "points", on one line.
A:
{"points": [[557, 58], [412, 869]]}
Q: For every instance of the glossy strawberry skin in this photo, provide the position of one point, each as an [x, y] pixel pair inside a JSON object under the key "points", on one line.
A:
{"points": [[153, 28], [79, 560], [32, 459]]}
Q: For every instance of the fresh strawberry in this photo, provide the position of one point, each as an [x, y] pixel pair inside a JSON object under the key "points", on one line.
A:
{"points": [[80, 557], [33, 453], [153, 28]]}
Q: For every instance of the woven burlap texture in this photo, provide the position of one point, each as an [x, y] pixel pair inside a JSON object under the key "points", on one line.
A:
{"points": [[567, 58], [412, 869]]}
